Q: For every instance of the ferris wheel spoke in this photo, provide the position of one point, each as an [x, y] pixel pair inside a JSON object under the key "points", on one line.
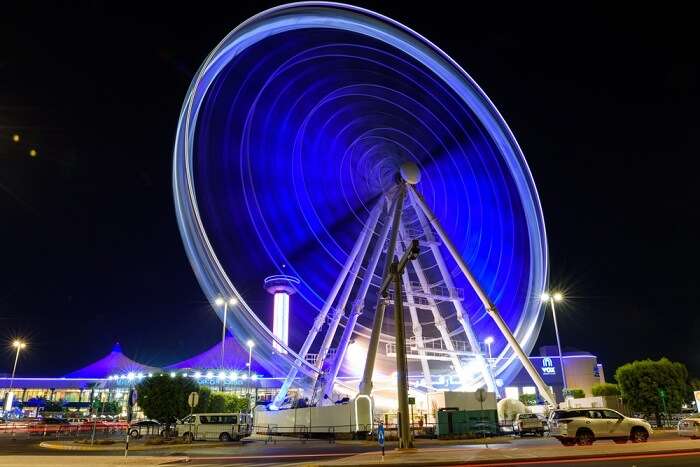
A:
{"points": [[415, 321], [318, 322], [461, 314], [339, 310], [366, 383], [439, 321], [485, 300], [358, 305]]}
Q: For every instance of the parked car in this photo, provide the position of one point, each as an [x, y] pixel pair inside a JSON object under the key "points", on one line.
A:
{"points": [[690, 426], [528, 423], [584, 426], [224, 426], [77, 421], [144, 427]]}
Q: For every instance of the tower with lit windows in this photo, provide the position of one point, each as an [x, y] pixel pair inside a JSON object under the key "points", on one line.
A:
{"points": [[281, 287]]}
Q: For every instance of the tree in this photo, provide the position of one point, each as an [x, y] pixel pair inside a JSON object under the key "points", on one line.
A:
{"points": [[106, 408], [528, 399], [164, 398], [236, 403], [694, 384], [204, 398], [217, 402], [605, 389], [652, 387]]}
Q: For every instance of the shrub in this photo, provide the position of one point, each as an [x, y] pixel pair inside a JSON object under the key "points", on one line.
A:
{"points": [[576, 393], [605, 389], [528, 399]]}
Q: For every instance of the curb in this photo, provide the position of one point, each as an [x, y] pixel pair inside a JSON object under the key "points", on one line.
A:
{"points": [[120, 447], [509, 460]]}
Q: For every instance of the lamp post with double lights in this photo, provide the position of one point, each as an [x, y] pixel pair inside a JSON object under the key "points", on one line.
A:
{"points": [[225, 303], [551, 298]]}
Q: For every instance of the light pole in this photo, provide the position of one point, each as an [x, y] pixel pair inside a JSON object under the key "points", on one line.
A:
{"points": [[551, 298], [488, 341], [219, 302], [250, 345], [19, 345]]}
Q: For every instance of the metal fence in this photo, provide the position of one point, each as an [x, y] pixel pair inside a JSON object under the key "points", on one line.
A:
{"points": [[25, 430]]}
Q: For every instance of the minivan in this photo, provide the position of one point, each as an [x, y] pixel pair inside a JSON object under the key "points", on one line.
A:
{"points": [[207, 426]]}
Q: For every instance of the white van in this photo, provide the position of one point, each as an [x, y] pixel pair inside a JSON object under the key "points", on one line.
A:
{"points": [[221, 426]]}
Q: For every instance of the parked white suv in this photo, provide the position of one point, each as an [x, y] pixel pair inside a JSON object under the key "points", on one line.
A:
{"points": [[584, 426], [528, 423]]}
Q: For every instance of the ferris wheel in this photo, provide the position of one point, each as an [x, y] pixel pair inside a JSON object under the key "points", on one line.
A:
{"points": [[320, 141]]}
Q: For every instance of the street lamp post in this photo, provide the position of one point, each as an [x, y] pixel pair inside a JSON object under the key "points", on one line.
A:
{"points": [[250, 345], [488, 341], [19, 345], [219, 302], [551, 298]]}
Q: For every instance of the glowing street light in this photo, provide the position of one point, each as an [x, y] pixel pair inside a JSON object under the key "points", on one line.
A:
{"points": [[32, 152], [225, 303], [15, 138], [9, 397], [551, 298]]}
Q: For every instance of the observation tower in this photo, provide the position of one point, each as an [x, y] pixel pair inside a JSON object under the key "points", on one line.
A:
{"points": [[281, 287]]}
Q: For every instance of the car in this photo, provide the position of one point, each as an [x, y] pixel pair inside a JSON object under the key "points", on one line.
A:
{"points": [[77, 421], [528, 423], [583, 426], [690, 426], [144, 427]]}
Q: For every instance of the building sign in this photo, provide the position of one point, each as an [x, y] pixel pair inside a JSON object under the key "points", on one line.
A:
{"points": [[548, 366]]}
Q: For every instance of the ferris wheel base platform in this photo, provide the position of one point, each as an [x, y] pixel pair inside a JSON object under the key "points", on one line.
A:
{"points": [[354, 417]]}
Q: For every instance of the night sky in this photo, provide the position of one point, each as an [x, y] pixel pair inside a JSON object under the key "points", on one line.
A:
{"points": [[604, 104]]}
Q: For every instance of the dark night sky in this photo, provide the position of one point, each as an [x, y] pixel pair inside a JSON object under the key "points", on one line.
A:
{"points": [[604, 104]]}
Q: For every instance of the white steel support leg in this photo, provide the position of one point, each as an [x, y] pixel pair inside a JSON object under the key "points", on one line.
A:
{"points": [[415, 322], [462, 317], [357, 306], [440, 323], [339, 310], [488, 305], [318, 324], [366, 383]]}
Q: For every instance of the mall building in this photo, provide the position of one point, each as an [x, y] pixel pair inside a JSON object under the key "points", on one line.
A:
{"points": [[582, 370], [109, 378]]}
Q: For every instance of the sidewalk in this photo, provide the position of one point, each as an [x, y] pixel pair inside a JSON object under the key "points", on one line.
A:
{"points": [[482, 455], [83, 461]]}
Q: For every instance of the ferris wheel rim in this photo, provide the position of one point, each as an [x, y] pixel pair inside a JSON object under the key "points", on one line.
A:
{"points": [[189, 219]]}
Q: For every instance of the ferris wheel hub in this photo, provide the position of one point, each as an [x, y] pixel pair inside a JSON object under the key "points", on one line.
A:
{"points": [[410, 173]]}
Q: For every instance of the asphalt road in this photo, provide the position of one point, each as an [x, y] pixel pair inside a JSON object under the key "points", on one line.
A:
{"points": [[290, 452], [667, 460]]}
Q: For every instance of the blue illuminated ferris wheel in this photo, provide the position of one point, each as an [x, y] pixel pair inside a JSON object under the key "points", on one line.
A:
{"points": [[319, 139]]}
